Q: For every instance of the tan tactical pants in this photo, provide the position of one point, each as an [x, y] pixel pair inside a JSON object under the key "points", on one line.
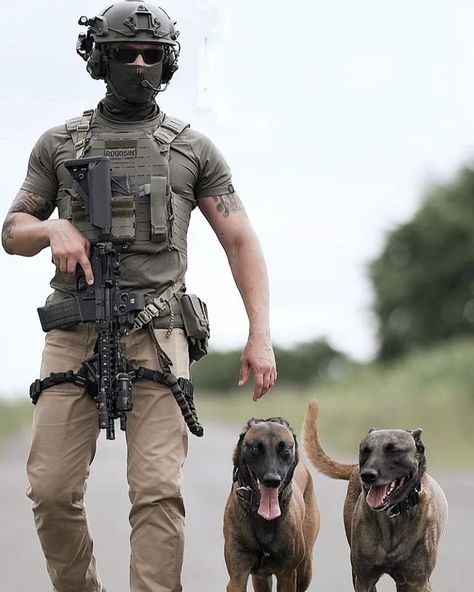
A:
{"points": [[63, 447]]}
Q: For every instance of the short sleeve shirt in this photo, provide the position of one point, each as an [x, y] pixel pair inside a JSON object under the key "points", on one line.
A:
{"points": [[197, 170]]}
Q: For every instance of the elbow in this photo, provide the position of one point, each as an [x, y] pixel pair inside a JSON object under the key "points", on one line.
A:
{"points": [[7, 238], [17, 239]]}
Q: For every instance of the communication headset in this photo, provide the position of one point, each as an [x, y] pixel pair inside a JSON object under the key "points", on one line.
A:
{"points": [[93, 53]]}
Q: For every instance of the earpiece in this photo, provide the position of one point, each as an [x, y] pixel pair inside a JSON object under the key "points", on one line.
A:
{"points": [[96, 64], [170, 64]]}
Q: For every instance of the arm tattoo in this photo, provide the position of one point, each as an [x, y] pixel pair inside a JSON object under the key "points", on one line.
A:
{"points": [[228, 203], [25, 202], [32, 203]]}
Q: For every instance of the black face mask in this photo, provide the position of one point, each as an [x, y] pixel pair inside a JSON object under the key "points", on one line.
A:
{"points": [[133, 84]]}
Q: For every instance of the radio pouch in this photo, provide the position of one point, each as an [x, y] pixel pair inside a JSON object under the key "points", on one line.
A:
{"points": [[196, 325]]}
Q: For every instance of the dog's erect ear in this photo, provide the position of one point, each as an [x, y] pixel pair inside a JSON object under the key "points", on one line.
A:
{"points": [[373, 430], [251, 422], [420, 449], [416, 434], [417, 437]]}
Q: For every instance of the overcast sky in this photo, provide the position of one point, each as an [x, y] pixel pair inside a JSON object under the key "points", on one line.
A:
{"points": [[334, 117]]}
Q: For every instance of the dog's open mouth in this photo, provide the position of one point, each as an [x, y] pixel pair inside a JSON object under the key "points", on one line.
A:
{"points": [[378, 496], [269, 507]]}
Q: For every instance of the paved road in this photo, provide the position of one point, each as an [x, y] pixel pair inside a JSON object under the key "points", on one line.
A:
{"points": [[208, 476]]}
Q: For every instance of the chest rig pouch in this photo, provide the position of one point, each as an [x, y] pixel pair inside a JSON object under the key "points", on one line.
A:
{"points": [[146, 214]]}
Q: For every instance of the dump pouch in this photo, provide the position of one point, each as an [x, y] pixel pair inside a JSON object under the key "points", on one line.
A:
{"points": [[196, 325]]}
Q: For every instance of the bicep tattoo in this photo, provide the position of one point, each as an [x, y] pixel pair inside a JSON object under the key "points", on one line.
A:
{"points": [[228, 203], [27, 202]]}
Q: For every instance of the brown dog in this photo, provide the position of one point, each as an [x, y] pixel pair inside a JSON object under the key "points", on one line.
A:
{"points": [[394, 511], [271, 518]]}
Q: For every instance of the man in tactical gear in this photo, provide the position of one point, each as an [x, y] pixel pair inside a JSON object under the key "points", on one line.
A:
{"points": [[161, 170]]}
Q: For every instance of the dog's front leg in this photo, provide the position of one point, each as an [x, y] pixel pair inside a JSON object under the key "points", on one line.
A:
{"points": [[238, 582], [286, 582], [419, 587], [262, 584], [364, 585]]}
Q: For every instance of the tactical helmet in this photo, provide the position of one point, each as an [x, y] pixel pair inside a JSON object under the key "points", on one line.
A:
{"points": [[128, 21]]}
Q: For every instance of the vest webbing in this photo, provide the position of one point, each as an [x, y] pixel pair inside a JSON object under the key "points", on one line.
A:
{"points": [[79, 129]]}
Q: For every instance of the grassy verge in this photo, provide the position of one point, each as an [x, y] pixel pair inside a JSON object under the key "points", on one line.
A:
{"points": [[432, 389], [14, 416]]}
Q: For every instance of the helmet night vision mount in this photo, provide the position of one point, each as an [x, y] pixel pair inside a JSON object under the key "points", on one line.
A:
{"points": [[133, 22]]}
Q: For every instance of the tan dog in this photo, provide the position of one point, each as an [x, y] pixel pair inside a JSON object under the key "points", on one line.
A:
{"points": [[394, 511], [271, 518]]}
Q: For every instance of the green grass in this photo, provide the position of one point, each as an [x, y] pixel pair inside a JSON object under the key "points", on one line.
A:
{"points": [[14, 416], [431, 389]]}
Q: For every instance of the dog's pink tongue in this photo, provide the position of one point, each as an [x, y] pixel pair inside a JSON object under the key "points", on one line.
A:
{"points": [[376, 495], [269, 507]]}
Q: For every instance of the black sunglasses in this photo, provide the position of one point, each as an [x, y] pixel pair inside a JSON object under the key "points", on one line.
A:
{"points": [[127, 55]]}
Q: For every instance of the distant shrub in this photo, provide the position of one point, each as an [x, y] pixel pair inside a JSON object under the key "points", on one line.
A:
{"points": [[300, 365]]}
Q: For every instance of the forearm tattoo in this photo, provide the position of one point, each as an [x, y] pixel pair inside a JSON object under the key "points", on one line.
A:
{"points": [[228, 203], [25, 202]]}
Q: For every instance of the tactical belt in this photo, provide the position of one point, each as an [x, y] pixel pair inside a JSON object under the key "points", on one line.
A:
{"points": [[66, 313]]}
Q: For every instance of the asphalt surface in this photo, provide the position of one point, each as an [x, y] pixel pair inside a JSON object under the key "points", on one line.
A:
{"points": [[207, 482]]}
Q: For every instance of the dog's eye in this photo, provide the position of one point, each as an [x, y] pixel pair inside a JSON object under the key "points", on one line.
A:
{"points": [[284, 450], [256, 448], [365, 450], [391, 448]]}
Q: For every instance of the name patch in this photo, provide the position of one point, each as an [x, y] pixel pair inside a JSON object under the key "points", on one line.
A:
{"points": [[120, 149]]}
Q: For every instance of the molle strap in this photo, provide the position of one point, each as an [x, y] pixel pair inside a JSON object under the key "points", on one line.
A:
{"points": [[79, 128], [169, 130]]}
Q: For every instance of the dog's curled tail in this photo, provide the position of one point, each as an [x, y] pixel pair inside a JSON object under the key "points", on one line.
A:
{"points": [[314, 450]]}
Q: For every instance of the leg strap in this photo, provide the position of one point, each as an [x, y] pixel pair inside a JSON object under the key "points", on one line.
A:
{"points": [[182, 389], [58, 378]]}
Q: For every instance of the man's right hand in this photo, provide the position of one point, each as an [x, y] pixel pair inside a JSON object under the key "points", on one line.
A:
{"points": [[27, 230], [69, 248]]}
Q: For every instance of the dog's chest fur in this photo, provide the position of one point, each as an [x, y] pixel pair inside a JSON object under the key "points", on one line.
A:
{"points": [[400, 543], [266, 541]]}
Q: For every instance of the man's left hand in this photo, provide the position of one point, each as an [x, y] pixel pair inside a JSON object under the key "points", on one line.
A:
{"points": [[258, 356]]}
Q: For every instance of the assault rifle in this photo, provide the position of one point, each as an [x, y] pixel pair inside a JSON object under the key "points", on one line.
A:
{"points": [[110, 307]]}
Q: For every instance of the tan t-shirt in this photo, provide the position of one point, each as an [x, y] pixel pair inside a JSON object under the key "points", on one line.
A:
{"points": [[197, 169]]}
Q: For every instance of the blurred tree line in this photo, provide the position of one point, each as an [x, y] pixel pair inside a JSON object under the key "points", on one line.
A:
{"points": [[423, 284], [424, 279], [299, 366]]}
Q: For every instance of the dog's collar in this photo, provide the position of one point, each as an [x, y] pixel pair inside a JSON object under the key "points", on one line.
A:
{"points": [[412, 499], [247, 495]]}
